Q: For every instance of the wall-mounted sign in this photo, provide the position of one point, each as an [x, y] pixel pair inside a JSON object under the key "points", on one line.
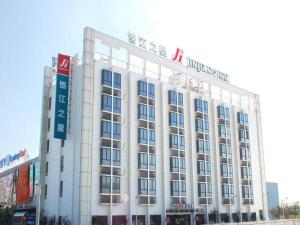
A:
{"points": [[10, 161], [177, 57], [62, 96]]}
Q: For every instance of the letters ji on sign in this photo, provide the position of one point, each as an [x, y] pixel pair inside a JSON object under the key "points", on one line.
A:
{"points": [[63, 64]]}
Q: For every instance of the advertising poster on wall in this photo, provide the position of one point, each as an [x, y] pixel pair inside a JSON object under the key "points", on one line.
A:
{"points": [[31, 180], [23, 185]]}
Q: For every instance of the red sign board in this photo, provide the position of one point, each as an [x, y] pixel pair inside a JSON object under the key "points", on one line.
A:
{"points": [[63, 64]]}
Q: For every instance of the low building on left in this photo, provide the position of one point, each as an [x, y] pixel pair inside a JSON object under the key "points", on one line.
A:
{"points": [[19, 186]]}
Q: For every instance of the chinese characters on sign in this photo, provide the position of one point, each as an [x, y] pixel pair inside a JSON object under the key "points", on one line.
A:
{"points": [[62, 95], [142, 43]]}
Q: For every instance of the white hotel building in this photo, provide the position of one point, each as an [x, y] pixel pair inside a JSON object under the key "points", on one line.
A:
{"points": [[150, 141]]}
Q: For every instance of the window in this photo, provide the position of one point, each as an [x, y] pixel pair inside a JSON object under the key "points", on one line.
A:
{"points": [[116, 185], [117, 105], [46, 168], [142, 88], [151, 91], [245, 154], [143, 161], [151, 137], [203, 146], [48, 146], [117, 131], [227, 191], [142, 111], [172, 97], [224, 131], [183, 188], [203, 191], [61, 188], [246, 172], [62, 163], [223, 113], [243, 118], [226, 170], [202, 126], [106, 103], [117, 80], [181, 120], [174, 141], [62, 143], [49, 104], [175, 188], [180, 99], [152, 186], [142, 136], [143, 186], [46, 191], [106, 78], [174, 164], [116, 157], [106, 129], [152, 162], [247, 191], [243, 135], [173, 119], [105, 184], [225, 150], [151, 113], [204, 168], [182, 165], [105, 156], [181, 142], [201, 106], [49, 122]]}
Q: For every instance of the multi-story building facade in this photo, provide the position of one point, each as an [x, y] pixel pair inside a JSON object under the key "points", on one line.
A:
{"points": [[150, 141]]}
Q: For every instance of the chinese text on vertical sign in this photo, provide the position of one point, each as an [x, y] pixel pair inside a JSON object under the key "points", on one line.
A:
{"points": [[62, 95]]}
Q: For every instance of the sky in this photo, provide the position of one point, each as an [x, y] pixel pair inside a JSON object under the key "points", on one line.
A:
{"points": [[255, 42]]}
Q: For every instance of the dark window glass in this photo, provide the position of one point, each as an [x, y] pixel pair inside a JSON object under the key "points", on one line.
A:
{"points": [[180, 99], [173, 97], [117, 131], [116, 157], [151, 91], [143, 186], [151, 137], [183, 188], [182, 165], [117, 80], [143, 161], [116, 185], [105, 156], [117, 105], [143, 136], [106, 78], [105, 184], [173, 119], [106, 103], [61, 188], [202, 126], [181, 142], [151, 113], [175, 188], [106, 129], [174, 164], [152, 186], [174, 141], [181, 120], [142, 111], [142, 88], [152, 162]]}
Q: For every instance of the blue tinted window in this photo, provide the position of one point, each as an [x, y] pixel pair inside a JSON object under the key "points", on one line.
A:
{"points": [[105, 184], [142, 88], [174, 164], [152, 162], [105, 129], [175, 188], [181, 142], [151, 91], [182, 165], [117, 80], [117, 105], [117, 131], [203, 146], [202, 126], [173, 119], [116, 157], [173, 97], [181, 120], [105, 156], [180, 99], [106, 78], [143, 186], [205, 107], [183, 188], [142, 111], [143, 161], [151, 137], [173, 141], [143, 136], [152, 186], [106, 103], [151, 113]]}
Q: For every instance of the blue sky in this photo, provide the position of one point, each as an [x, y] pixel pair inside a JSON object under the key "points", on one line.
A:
{"points": [[256, 43]]}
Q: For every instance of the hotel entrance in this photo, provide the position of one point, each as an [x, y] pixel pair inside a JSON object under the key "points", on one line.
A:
{"points": [[181, 219]]}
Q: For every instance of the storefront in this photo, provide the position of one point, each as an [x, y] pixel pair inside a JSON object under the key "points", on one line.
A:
{"points": [[24, 217]]}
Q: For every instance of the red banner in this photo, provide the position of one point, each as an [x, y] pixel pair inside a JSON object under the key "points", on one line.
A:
{"points": [[23, 185], [63, 64]]}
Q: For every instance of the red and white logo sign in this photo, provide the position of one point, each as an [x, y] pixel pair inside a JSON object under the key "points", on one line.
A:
{"points": [[63, 64], [178, 55]]}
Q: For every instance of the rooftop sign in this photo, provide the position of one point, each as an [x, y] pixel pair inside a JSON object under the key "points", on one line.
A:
{"points": [[11, 161], [177, 57]]}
